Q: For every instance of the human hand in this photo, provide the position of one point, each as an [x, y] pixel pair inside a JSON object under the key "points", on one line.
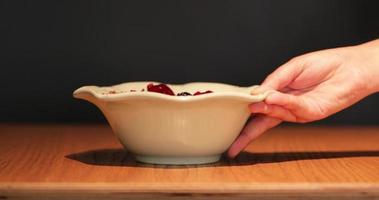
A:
{"points": [[312, 87]]}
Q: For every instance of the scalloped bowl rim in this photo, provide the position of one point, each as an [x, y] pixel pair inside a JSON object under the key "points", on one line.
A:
{"points": [[248, 95]]}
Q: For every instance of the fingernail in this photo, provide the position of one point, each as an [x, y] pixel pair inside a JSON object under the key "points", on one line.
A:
{"points": [[231, 155], [232, 151]]}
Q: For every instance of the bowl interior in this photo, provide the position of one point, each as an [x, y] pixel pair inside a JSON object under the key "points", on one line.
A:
{"points": [[177, 88]]}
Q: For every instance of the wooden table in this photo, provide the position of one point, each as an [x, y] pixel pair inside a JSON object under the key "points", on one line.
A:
{"points": [[87, 162]]}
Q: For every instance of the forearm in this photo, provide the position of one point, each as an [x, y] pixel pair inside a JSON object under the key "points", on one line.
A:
{"points": [[371, 57], [376, 64]]}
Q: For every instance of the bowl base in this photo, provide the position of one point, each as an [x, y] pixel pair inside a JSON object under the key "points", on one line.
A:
{"points": [[170, 160]]}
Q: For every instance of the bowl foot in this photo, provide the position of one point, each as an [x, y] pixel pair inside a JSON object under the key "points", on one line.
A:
{"points": [[170, 160]]}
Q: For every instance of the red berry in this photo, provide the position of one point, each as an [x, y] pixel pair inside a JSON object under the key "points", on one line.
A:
{"points": [[160, 88], [200, 93], [150, 85]]}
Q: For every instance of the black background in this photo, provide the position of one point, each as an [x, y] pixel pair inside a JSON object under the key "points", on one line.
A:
{"points": [[49, 48]]}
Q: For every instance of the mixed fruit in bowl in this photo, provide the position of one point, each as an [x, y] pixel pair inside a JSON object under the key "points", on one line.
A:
{"points": [[161, 88]]}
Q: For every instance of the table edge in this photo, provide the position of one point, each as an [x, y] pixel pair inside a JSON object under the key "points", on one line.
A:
{"points": [[190, 188]]}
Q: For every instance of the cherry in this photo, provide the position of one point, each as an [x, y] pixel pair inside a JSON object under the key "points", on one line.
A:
{"points": [[164, 89], [200, 93], [160, 88]]}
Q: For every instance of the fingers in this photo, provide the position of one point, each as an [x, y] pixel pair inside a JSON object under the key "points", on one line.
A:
{"points": [[288, 101], [272, 111], [252, 130], [276, 107], [286, 107], [284, 75]]}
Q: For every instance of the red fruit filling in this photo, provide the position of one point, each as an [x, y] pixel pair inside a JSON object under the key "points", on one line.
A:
{"points": [[160, 88], [200, 93], [164, 89]]}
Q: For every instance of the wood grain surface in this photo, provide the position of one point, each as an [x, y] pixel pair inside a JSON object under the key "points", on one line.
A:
{"points": [[88, 162]]}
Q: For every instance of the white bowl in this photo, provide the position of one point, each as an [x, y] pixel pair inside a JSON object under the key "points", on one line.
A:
{"points": [[164, 129]]}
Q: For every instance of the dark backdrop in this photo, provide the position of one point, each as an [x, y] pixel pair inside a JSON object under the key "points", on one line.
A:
{"points": [[49, 48]]}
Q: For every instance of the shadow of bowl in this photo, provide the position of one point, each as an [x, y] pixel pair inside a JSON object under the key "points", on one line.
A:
{"points": [[120, 157]]}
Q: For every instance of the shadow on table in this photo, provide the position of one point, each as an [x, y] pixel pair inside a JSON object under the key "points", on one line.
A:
{"points": [[120, 157]]}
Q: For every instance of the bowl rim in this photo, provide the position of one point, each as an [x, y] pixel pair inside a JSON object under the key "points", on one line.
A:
{"points": [[251, 96]]}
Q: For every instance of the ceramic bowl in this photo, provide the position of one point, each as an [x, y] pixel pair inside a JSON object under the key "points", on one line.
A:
{"points": [[164, 129]]}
